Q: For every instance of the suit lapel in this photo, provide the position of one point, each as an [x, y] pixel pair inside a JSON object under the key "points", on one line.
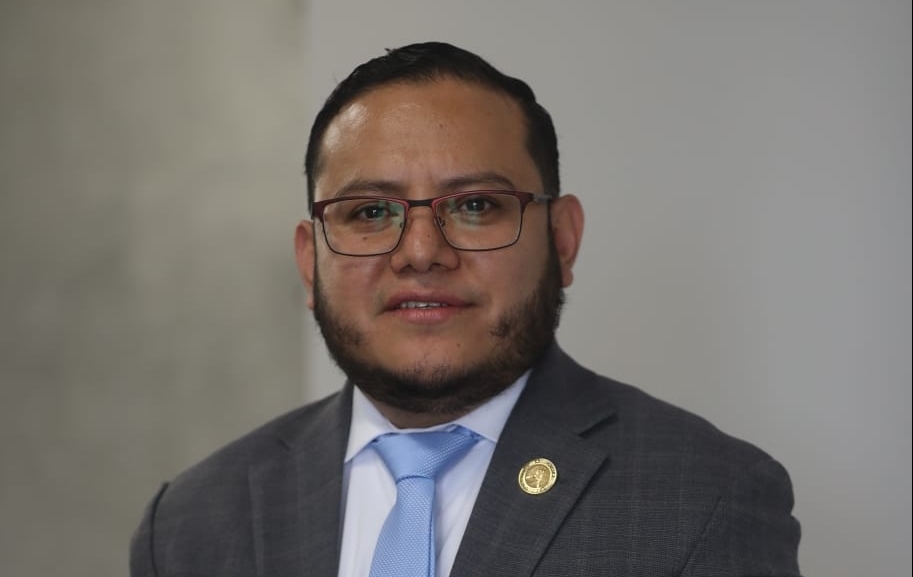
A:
{"points": [[509, 530], [296, 498]]}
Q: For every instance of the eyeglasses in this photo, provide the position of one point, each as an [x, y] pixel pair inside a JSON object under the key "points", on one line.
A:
{"points": [[474, 220]]}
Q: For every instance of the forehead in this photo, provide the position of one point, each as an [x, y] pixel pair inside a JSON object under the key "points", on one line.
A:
{"points": [[432, 129]]}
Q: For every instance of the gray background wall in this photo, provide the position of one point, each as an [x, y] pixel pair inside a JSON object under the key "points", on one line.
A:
{"points": [[149, 302], [745, 168]]}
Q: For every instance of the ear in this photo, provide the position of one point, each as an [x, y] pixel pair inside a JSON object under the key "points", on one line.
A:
{"points": [[567, 232], [304, 256]]}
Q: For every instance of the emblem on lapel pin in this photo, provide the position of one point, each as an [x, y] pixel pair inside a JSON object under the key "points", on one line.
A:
{"points": [[538, 476]]}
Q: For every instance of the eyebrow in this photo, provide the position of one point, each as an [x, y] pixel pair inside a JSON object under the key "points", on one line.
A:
{"points": [[478, 180], [486, 179], [361, 186]]}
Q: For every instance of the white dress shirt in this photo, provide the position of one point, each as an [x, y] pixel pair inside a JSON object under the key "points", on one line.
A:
{"points": [[370, 491]]}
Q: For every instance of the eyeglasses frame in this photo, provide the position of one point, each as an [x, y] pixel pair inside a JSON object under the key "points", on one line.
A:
{"points": [[525, 198]]}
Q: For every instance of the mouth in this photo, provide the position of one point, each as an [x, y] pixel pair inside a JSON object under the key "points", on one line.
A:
{"points": [[425, 307], [421, 305]]}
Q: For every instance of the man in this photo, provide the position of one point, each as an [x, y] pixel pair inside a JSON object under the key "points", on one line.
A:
{"points": [[435, 261]]}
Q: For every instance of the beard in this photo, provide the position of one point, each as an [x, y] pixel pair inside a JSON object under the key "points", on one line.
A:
{"points": [[522, 335]]}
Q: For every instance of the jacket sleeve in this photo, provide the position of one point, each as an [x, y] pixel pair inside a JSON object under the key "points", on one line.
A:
{"points": [[752, 531], [142, 551]]}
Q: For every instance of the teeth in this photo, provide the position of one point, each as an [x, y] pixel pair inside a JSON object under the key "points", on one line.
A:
{"points": [[421, 305]]}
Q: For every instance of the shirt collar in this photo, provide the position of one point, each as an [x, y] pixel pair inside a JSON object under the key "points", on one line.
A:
{"points": [[487, 420]]}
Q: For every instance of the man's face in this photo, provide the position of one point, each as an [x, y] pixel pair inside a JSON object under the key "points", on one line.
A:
{"points": [[419, 141]]}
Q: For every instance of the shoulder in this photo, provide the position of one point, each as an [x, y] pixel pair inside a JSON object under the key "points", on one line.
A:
{"points": [[633, 423], [729, 501], [220, 483], [230, 464], [204, 517], [655, 452], [643, 422]]}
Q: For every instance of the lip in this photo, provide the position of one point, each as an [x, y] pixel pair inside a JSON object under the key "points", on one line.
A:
{"points": [[394, 302], [453, 307]]}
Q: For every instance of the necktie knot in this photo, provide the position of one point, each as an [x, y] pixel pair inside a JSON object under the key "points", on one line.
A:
{"points": [[424, 454]]}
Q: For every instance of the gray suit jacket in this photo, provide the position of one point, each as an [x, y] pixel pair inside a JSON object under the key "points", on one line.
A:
{"points": [[643, 489]]}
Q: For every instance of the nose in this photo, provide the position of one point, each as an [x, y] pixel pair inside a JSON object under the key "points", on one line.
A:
{"points": [[422, 247]]}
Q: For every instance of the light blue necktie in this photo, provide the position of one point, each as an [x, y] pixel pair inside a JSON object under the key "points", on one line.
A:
{"points": [[405, 547]]}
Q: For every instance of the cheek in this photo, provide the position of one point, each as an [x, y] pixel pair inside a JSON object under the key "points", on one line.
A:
{"points": [[348, 279], [513, 278]]}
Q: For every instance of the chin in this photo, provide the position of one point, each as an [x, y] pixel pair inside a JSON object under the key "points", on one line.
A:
{"points": [[419, 363], [435, 354]]}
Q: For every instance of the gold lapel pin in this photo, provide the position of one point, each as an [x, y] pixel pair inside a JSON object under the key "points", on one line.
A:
{"points": [[538, 476]]}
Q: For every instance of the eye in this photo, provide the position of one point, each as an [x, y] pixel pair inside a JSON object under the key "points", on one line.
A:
{"points": [[475, 204], [374, 210]]}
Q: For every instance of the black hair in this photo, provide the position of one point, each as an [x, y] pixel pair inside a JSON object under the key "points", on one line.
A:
{"points": [[430, 61]]}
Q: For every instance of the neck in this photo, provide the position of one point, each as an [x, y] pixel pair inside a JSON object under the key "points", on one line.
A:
{"points": [[405, 419]]}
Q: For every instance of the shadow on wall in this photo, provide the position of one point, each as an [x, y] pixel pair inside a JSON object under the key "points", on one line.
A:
{"points": [[150, 174]]}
